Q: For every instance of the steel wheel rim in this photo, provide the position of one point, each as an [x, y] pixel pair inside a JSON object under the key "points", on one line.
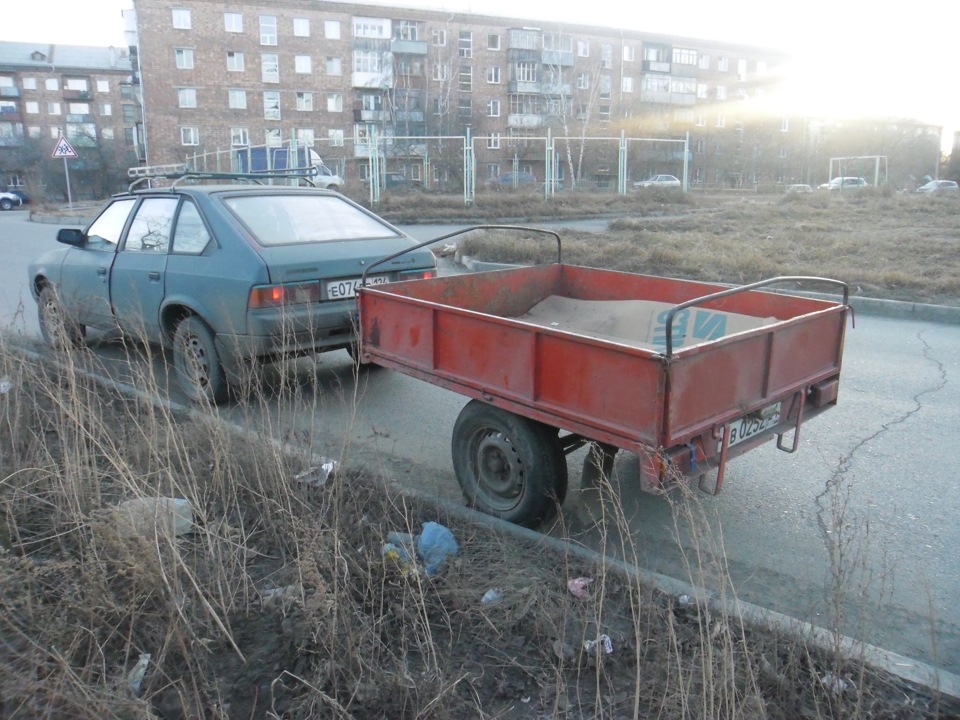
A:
{"points": [[53, 322], [498, 469], [195, 361]]}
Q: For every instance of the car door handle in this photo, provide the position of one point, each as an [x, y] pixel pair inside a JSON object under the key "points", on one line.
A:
{"points": [[101, 271], [155, 276]]}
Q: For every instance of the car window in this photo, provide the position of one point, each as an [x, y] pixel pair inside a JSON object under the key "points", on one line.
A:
{"points": [[150, 230], [292, 219], [191, 234], [105, 232]]}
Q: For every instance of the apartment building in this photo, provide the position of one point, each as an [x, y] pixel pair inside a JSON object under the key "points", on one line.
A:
{"points": [[85, 94], [346, 77]]}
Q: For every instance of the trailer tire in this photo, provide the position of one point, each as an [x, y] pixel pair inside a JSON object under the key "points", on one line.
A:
{"points": [[507, 465]]}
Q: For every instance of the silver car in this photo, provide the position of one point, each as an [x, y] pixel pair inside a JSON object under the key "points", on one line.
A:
{"points": [[226, 276], [665, 181]]}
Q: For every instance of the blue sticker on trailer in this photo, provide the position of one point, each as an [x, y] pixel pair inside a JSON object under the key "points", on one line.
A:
{"points": [[707, 325]]}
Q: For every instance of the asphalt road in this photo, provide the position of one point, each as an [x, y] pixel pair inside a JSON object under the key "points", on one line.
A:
{"points": [[874, 483]]}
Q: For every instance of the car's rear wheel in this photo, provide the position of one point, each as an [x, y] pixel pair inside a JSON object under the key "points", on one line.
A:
{"points": [[6, 204], [199, 370], [58, 330]]}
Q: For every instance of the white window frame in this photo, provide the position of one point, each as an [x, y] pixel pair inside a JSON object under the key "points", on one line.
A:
{"points": [[493, 142], [493, 108], [583, 81], [183, 58], [237, 99], [721, 121], [32, 107], [628, 53], [29, 83], [583, 48], [337, 62], [303, 64], [465, 44], [180, 18], [189, 136], [335, 137], [106, 109], [103, 86], [703, 62], [626, 84], [335, 102], [270, 68], [784, 125], [721, 92], [268, 22], [305, 101], [493, 75], [301, 27], [369, 27], [441, 72], [493, 41], [331, 29], [233, 22], [271, 113], [187, 97], [237, 61], [439, 37], [239, 137], [723, 64]]}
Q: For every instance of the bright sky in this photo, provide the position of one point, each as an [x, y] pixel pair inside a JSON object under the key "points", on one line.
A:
{"points": [[853, 57]]}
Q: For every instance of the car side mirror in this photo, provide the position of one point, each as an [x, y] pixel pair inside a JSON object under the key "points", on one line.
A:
{"points": [[71, 236]]}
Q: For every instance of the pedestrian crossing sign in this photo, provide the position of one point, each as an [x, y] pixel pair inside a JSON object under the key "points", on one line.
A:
{"points": [[64, 149]]}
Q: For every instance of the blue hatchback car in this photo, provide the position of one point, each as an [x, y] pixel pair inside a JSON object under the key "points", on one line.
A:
{"points": [[225, 275]]}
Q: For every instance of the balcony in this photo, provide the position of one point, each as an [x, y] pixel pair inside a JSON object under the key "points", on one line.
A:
{"points": [[79, 95], [10, 116], [524, 121], [562, 58], [515, 55], [665, 97], [681, 70], [408, 47], [379, 80], [656, 66], [71, 118], [523, 88], [562, 89], [371, 116], [409, 116], [9, 92]]}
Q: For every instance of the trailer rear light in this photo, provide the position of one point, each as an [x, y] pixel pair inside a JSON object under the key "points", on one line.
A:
{"points": [[271, 296]]}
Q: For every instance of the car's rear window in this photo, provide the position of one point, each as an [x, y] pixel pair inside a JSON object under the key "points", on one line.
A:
{"points": [[293, 219]]}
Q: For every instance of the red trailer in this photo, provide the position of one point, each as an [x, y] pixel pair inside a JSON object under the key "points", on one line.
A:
{"points": [[687, 375]]}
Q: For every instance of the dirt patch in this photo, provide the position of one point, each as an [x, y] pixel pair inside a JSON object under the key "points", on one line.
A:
{"points": [[281, 602]]}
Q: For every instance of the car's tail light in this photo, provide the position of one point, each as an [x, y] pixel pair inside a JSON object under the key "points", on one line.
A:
{"points": [[418, 274], [270, 296]]}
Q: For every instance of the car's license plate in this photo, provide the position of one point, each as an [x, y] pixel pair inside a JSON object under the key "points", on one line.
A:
{"points": [[753, 424], [347, 288]]}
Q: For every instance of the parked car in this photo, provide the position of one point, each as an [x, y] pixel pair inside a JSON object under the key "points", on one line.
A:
{"points": [[510, 180], [667, 181], [799, 188], [937, 186], [226, 276], [24, 198], [845, 183], [396, 181], [9, 200]]}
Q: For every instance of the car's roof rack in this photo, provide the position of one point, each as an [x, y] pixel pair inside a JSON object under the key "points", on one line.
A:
{"points": [[179, 172]]}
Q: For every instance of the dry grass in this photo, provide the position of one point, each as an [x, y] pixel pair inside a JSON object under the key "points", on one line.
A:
{"points": [[901, 247], [280, 603]]}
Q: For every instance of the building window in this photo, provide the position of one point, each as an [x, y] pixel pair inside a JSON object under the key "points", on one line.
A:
{"points": [[493, 108], [270, 68], [364, 27], [335, 138], [627, 85], [78, 84], [235, 61], [723, 64], [29, 83], [334, 66], [301, 27], [371, 102], [331, 29], [583, 48], [493, 142], [721, 121], [55, 132], [606, 56], [189, 136], [439, 105], [303, 64], [305, 101], [237, 99], [783, 153], [493, 171], [742, 69], [493, 75], [335, 102], [32, 107], [684, 56], [184, 58], [106, 109], [103, 86], [441, 72], [785, 125], [268, 29], [525, 72], [583, 81], [721, 92], [187, 97], [130, 114], [466, 78], [181, 18], [233, 22], [305, 137], [271, 105], [51, 84], [704, 62], [604, 113], [272, 137], [465, 107], [78, 108], [702, 91], [366, 61], [466, 44], [239, 137], [439, 37], [628, 53], [33, 131], [493, 41]]}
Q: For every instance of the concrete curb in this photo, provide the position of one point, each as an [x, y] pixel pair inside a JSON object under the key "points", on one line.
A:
{"points": [[909, 670], [944, 314]]}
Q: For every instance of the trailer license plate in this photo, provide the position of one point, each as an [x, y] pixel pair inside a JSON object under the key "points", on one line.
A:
{"points": [[754, 423], [347, 288]]}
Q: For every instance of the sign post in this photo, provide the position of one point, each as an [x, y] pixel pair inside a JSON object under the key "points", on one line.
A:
{"points": [[65, 150]]}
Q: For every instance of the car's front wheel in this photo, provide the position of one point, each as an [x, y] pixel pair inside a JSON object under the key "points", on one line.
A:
{"points": [[6, 204], [199, 371], [56, 327]]}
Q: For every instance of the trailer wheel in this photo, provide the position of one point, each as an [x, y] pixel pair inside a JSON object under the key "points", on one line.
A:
{"points": [[508, 466]]}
